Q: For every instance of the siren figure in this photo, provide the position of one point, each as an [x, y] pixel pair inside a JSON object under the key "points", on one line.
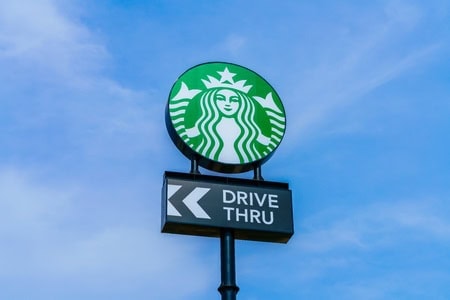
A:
{"points": [[227, 124]]}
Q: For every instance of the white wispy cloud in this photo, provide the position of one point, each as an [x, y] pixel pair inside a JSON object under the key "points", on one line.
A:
{"points": [[234, 43], [366, 60], [376, 225], [41, 240], [40, 38], [340, 245], [52, 66]]}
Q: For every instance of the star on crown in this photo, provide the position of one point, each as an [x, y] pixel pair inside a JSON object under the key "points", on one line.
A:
{"points": [[226, 81]]}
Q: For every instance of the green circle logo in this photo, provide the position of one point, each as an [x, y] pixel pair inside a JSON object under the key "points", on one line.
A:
{"points": [[226, 116]]}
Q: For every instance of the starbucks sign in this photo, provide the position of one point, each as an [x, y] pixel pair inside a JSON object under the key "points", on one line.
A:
{"points": [[225, 116]]}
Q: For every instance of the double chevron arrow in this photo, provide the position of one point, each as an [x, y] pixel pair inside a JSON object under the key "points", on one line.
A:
{"points": [[191, 201]]}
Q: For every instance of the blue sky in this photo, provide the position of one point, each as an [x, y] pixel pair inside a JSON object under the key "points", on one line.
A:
{"points": [[83, 147]]}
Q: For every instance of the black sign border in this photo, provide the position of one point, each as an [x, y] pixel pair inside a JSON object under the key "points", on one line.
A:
{"points": [[186, 228]]}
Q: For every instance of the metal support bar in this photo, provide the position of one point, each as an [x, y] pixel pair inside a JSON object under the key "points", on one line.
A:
{"points": [[194, 166], [228, 288], [257, 173]]}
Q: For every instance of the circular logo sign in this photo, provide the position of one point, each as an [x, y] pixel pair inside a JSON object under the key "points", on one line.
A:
{"points": [[225, 116]]}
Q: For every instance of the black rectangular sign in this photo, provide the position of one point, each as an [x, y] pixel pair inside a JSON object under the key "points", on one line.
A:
{"points": [[197, 204]]}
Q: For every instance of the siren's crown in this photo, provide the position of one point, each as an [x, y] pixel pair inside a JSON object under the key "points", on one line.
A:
{"points": [[226, 81]]}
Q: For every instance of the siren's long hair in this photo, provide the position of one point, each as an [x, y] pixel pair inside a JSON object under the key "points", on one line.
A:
{"points": [[212, 144]]}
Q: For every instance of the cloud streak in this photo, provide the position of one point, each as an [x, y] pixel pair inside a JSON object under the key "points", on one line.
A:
{"points": [[37, 37], [364, 62], [361, 252], [44, 243], [370, 227]]}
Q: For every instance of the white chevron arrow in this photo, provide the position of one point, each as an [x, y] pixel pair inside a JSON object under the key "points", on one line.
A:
{"points": [[191, 202], [171, 210]]}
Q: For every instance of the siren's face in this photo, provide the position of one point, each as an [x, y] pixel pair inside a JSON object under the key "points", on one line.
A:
{"points": [[228, 102]]}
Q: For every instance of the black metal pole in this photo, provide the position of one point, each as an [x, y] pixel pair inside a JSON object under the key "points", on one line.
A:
{"points": [[228, 288]]}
